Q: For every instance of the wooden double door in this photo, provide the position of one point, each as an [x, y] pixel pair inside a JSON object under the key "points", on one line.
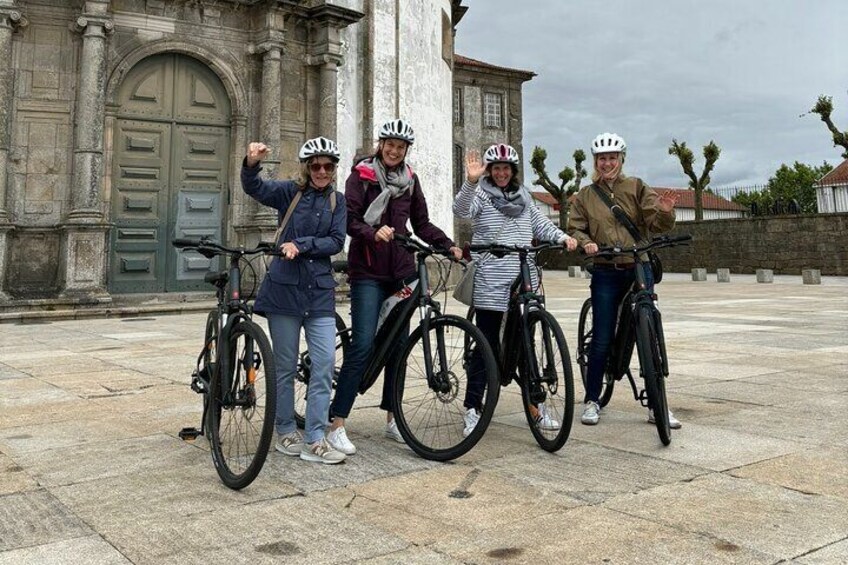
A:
{"points": [[170, 171]]}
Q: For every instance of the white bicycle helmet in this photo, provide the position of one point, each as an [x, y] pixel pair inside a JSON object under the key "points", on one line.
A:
{"points": [[501, 153], [608, 143], [397, 129], [319, 147]]}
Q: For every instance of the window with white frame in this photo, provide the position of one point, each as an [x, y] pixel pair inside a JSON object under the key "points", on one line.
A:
{"points": [[457, 106], [493, 110]]}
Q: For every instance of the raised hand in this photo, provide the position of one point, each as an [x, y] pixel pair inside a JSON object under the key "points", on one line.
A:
{"points": [[474, 167], [256, 152], [667, 200]]}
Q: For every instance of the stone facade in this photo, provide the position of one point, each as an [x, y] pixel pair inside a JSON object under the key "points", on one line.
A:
{"points": [[487, 109], [785, 244], [73, 134]]}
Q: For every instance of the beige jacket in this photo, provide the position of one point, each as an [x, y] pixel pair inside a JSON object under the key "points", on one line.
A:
{"points": [[590, 220]]}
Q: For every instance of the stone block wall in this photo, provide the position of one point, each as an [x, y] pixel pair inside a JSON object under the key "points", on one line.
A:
{"points": [[785, 244]]}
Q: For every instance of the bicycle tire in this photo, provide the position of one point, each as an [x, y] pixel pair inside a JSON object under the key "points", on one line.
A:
{"points": [[242, 431], [432, 421], [303, 374], [584, 342], [208, 360], [650, 363], [553, 384]]}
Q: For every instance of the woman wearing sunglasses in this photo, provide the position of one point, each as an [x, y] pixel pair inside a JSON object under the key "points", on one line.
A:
{"points": [[299, 291], [383, 195]]}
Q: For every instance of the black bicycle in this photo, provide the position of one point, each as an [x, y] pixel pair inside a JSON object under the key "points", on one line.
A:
{"points": [[431, 370], [235, 373], [639, 323], [534, 349]]}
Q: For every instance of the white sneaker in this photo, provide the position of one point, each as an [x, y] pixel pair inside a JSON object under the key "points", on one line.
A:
{"points": [[591, 413], [673, 422], [392, 432], [471, 419], [338, 440], [544, 420]]}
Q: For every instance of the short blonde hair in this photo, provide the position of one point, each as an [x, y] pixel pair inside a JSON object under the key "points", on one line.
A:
{"points": [[302, 179]]}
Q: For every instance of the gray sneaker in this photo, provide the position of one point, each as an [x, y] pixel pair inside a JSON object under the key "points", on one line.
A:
{"points": [[591, 413], [290, 444], [321, 452], [392, 432]]}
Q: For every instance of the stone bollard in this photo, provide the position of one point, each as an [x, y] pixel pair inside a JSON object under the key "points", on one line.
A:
{"points": [[574, 271], [765, 276], [699, 274], [723, 275], [811, 276]]}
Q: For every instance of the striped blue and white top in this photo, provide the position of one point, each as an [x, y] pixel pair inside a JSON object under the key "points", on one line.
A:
{"points": [[495, 276]]}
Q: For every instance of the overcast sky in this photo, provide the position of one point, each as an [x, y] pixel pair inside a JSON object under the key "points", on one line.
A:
{"points": [[739, 72]]}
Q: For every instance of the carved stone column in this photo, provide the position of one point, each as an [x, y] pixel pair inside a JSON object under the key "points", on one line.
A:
{"points": [[327, 21], [270, 124], [84, 244], [10, 19]]}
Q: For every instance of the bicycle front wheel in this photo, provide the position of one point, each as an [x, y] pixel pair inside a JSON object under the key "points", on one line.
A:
{"points": [[584, 343], [650, 363], [547, 382], [304, 370], [430, 411], [243, 406]]}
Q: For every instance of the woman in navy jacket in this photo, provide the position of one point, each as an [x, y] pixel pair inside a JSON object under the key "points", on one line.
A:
{"points": [[383, 194], [299, 291]]}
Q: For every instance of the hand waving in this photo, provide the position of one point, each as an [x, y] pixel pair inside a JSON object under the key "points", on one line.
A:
{"points": [[256, 152], [474, 167], [667, 200]]}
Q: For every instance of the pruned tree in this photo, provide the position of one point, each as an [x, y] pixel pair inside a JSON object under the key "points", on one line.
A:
{"points": [[687, 160], [569, 178], [824, 108]]}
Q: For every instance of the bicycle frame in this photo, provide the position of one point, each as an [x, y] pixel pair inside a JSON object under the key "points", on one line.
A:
{"points": [[397, 320]]}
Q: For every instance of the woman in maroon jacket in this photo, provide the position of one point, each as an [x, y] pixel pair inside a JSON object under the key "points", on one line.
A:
{"points": [[382, 194]]}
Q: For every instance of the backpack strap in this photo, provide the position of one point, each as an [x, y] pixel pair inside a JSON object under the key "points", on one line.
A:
{"points": [[288, 216]]}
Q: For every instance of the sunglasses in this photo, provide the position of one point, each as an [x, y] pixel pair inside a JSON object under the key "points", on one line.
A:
{"points": [[326, 167]]}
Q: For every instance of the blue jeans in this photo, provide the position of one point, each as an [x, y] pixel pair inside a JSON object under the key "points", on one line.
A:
{"points": [[366, 297], [321, 341], [608, 288]]}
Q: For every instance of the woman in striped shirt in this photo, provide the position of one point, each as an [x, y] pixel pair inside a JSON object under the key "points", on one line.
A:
{"points": [[503, 212]]}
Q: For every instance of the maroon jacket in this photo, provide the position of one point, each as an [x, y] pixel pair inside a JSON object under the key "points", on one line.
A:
{"points": [[378, 260]]}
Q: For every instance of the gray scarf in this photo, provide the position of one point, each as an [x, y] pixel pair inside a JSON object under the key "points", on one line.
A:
{"points": [[511, 204], [393, 184]]}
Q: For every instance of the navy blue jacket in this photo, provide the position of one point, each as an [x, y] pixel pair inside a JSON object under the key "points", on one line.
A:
{"points": [[304, 286]]}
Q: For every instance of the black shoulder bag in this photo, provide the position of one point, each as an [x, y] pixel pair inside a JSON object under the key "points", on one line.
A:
{"points": [[624, 220]]}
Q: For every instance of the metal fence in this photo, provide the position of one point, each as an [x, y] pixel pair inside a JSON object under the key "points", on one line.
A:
{"points": [[757, 200]]}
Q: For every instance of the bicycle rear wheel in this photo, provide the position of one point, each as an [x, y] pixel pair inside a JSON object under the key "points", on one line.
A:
{"points": [[431, 414], [650, 363], [304, 371], [584, 343], [243, 407], [547, 383]]}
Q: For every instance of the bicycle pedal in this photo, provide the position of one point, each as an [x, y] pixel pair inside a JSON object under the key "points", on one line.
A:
{"points": [[189, 434]]}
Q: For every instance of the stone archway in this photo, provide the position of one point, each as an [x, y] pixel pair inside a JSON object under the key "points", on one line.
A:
{"points": [[169, 172]]}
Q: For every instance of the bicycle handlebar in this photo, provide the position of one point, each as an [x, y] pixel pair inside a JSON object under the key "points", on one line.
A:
{"points": [[500, 250], [656, 243], [415, 245], [206, 246]]}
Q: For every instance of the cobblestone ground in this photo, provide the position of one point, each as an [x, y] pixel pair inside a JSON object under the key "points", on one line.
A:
{"points": [[92, 470]]}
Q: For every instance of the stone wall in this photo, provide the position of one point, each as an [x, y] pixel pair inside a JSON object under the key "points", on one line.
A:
{"points": [[786, 244]]}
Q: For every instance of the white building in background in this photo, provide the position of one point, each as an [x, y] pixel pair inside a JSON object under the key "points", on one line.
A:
{"points": [[832, 190], [715, 207]]}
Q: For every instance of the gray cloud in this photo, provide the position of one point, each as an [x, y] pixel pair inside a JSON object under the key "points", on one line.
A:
{"points": [[739, 73]]}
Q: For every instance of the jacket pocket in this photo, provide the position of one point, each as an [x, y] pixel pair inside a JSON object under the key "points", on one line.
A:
{"points": [[283, 272], [325, 281]]}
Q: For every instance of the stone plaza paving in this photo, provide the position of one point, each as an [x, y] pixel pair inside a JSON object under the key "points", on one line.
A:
{"points": [[92, 471]]}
